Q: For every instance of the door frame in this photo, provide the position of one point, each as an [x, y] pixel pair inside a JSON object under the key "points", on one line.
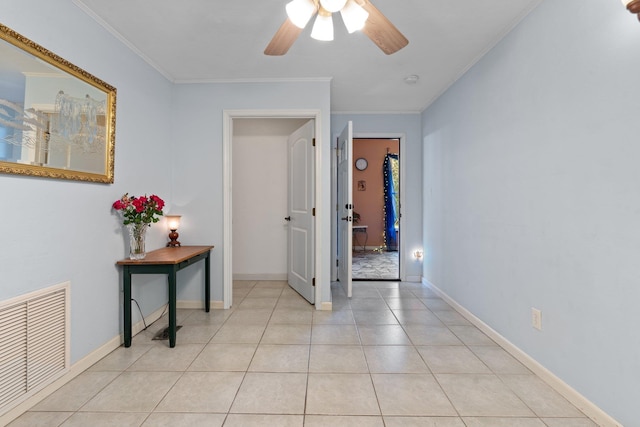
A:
{"points": [[334, 182], [227, 208]]}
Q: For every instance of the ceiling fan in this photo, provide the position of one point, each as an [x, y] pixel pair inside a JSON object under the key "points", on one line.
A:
{"points": [[356, 14]]}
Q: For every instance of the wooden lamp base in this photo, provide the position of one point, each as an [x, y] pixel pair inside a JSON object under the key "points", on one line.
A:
{"points": [[174, 239]]}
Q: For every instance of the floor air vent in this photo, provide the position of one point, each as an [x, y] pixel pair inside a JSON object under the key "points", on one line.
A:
{"points": [[34, 337]]}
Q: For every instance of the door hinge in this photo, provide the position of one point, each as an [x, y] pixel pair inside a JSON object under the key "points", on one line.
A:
{"points": [[313, 212], [313, 282], [337, 263], [313, 142]]}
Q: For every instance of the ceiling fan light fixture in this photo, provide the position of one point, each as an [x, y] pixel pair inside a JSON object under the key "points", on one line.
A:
{"points": [[354, 16], [364, 16], [332, 5], [300, 12], [323, 28]]}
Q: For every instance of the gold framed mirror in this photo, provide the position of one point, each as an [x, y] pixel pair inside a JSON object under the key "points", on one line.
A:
{"points": [[56, 120]]}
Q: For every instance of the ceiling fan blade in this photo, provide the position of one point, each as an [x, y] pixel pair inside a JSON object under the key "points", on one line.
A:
{"points": [[381, 31], [283, 39]]}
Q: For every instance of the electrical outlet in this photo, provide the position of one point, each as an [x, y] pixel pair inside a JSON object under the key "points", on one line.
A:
{"points": [[536, 318]]}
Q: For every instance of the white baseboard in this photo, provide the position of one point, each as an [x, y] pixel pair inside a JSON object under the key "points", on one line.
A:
{"points": [[261, 277], [596, 414], [199, 305], [326, 306], [414, 279]]}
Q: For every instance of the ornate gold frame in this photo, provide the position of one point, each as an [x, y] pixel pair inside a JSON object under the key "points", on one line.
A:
{"points": [[107, 146]]}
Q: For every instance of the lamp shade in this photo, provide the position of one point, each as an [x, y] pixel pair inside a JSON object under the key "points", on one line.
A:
{"points": [[332, 5], [354, 16], [323, 28], [300, 12], [173, 221]]}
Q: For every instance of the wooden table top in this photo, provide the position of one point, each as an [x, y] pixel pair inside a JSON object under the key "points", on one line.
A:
{"points": [[167, 255]]}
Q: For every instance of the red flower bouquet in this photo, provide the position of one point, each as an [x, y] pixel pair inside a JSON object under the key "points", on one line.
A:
{"points": [[139, 210]]}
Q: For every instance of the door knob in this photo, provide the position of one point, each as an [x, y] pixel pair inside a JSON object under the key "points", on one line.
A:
{"points": [[288, 218]]}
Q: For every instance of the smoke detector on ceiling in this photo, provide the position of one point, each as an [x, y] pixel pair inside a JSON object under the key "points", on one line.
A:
{"points": [[412, 79]]}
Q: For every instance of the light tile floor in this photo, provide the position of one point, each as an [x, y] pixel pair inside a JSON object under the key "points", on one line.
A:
{"points": [[395, 355]]}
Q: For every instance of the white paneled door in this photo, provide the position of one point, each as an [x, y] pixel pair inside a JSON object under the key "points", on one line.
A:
{"points": [[301, 161], [345, 207]]}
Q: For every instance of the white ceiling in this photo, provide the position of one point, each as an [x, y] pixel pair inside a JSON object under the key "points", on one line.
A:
{"points": [[214, 41]]}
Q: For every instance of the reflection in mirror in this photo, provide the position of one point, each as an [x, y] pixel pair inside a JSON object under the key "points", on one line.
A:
{"points": [[56, 120]]}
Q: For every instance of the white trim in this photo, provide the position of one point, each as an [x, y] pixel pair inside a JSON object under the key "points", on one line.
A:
{"points": [[596, 414], [227, 173], [86, 9], [227, 209], [334, 208], [199, 305], [375, 112], [414, 279], [326, 306], [403, 248], [261, 277], [256, 80], [217, 305]]}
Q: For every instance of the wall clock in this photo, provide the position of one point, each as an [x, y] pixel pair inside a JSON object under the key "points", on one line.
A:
{"points": [[361, 164]]}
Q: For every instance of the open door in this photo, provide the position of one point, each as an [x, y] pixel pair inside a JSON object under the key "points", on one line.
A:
{"points": [[376, 202], [345, 208], [301, 160]]}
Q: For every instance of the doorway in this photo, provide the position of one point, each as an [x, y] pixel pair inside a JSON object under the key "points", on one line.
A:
{"points": [[376, 209], [260, 192], [269, 117]]}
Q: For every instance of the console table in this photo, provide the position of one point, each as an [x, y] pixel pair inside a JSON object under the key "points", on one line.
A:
{"points": [[165, 261]]}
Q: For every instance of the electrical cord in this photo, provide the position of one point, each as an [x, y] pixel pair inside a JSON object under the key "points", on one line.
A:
{"points": [[142, 316]]}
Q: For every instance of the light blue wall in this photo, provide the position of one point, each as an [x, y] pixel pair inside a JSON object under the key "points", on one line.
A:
{"points": [[168, 141], [198, 116], [532, 195], [397, 124], [55, 231]]}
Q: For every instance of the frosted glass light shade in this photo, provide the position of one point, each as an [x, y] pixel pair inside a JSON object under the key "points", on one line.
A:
{"points": [[354, 16], [173, 221], [300, 12], [332, 5], [323, 28]]}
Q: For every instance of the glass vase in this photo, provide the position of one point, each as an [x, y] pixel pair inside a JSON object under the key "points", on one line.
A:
{"points": [[137, 234]]}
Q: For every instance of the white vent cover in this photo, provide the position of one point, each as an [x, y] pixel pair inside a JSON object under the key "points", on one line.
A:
{"points": [[34, 337]]}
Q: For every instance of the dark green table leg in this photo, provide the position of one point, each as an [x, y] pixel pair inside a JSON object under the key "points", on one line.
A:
{"points": [[126, 305], [172, 307], [207, 283]]}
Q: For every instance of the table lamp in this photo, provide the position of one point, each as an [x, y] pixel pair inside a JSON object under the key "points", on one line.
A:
{"points": [[173, 221]]}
